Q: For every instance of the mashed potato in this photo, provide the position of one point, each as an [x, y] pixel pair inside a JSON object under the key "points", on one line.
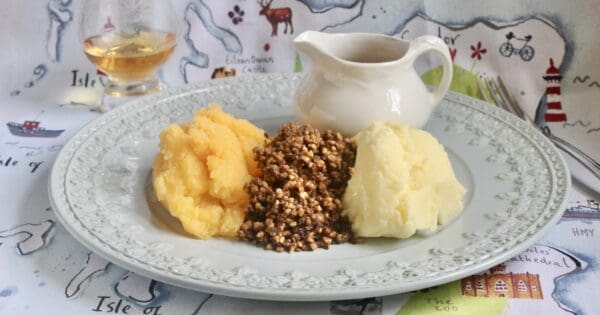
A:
{"points": [[201, 169], [403, 182]]}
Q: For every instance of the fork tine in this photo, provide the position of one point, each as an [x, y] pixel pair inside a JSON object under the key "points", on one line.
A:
{"points": [[514, 104], [484, 92], [500, 98], [505, 103], [494, 93], [491, 93]]}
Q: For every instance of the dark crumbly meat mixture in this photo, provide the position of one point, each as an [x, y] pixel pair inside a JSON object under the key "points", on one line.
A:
{"points": [[295, 205]]}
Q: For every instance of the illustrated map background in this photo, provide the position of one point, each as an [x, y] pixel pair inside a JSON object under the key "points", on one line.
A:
{"points": [[46, 78]]}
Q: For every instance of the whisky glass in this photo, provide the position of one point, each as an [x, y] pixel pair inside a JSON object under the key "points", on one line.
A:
{"points": [[128, 40]]}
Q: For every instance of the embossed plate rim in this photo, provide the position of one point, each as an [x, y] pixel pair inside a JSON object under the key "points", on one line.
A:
{"points": [[65, 213]]}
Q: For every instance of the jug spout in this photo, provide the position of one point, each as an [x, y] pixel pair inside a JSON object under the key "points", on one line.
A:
{"points": [[312, 44], [352, 50]]}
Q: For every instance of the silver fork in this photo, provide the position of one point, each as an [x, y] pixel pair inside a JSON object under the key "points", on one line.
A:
{"points": [[502, 98]]}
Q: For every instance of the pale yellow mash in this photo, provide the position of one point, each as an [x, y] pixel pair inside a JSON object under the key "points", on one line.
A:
{"points": [[201, 169], [402, 183]]}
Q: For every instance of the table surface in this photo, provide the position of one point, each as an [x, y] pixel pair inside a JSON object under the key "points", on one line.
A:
{"points": [[48, 80]]}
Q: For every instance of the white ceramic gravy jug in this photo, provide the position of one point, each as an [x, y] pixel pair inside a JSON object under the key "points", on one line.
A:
{"points": [[357, 78]]}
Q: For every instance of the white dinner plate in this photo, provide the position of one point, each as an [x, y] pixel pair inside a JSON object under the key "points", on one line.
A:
{"points": [[100, 190]]}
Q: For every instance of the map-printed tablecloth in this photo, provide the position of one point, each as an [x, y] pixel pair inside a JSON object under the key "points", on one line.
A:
{"points": [[549, 63]]}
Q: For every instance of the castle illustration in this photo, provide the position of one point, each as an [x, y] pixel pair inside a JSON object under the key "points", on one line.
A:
{"points": [[499, 283]]}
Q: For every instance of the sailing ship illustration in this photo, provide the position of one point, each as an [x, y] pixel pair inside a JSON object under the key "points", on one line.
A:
{"points": [[31, 128]]}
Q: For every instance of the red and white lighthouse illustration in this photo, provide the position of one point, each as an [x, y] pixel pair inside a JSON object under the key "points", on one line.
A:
{"points": [[554, 112]]}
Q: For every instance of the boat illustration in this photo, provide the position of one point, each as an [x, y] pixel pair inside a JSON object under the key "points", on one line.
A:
{"points": [[31, 128]]}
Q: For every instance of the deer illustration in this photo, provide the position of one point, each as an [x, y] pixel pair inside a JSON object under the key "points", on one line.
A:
{"points": [[276, 16]]}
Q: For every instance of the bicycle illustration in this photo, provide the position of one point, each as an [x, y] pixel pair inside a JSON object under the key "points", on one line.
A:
{"points": [[507, 49]]}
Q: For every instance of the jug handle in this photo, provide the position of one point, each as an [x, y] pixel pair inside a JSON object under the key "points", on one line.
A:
{"points": [[434, 44]]}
